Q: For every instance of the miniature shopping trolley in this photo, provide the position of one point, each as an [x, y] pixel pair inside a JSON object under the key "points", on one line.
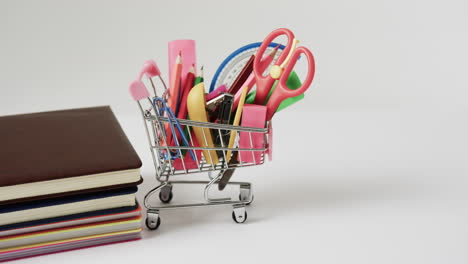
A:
{"points": [[176, 152], [170, 161]]}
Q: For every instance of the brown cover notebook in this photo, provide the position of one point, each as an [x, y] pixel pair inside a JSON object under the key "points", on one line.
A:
{"points": [[63, 144]]}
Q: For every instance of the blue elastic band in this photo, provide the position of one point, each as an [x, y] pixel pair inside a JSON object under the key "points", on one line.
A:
{"points": [[173, 121]]}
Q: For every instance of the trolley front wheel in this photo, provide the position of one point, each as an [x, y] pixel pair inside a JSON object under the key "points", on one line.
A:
{"points": [[239, 215], [153, 221]]}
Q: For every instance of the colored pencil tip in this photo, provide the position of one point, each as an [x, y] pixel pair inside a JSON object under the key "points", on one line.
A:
{"points": [[274, 51], [201, 71], [192, 69], [179, 58]]}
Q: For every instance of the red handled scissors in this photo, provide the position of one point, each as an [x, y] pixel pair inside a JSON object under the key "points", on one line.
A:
{"points": [[280, 71]]}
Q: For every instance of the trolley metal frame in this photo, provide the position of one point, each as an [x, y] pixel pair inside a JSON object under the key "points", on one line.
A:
{"points": [[161, 152]]}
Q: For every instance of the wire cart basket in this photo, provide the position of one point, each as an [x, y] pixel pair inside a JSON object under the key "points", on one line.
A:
{"points": [[169, 163]]}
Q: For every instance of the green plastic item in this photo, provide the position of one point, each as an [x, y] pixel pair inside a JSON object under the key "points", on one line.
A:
{"points": [[293, 83]]}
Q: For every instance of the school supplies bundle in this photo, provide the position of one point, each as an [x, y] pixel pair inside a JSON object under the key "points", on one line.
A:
{"points": [[230, 127], [67, 180]]}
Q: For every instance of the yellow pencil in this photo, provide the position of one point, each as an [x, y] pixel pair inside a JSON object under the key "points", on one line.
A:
{"points": [[236, 122]]}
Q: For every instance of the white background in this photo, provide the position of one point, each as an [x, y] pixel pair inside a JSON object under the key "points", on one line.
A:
{"points": [[370, 168]]}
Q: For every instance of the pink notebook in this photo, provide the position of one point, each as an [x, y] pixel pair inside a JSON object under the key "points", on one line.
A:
{"points": [[252, 116]]}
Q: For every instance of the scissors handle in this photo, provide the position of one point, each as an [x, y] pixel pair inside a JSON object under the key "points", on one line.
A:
{"points": [[264, 83], [282, 91]]}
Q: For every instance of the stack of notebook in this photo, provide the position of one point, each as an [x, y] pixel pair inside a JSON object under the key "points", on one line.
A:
{"points": [[67, 180]]}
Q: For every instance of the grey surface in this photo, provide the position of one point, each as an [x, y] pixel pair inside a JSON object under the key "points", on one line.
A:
{"points": [[384, 124]]}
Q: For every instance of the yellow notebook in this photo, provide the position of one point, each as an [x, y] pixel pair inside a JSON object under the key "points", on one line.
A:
{"points": [[70, 232], [63, 241]]}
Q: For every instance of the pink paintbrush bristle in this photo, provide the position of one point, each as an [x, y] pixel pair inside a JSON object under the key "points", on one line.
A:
{"points": [[150, 68], [138, 90]]}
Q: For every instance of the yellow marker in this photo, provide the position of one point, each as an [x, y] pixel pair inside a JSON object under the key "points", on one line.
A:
{"points": [[196, 103], [276, 70], [232, 138]]}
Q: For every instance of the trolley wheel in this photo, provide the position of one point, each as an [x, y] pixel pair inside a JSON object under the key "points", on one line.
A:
{"points": [[153, 225], [239, 218], [165, 198], [165, 195], [241, 199]]}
